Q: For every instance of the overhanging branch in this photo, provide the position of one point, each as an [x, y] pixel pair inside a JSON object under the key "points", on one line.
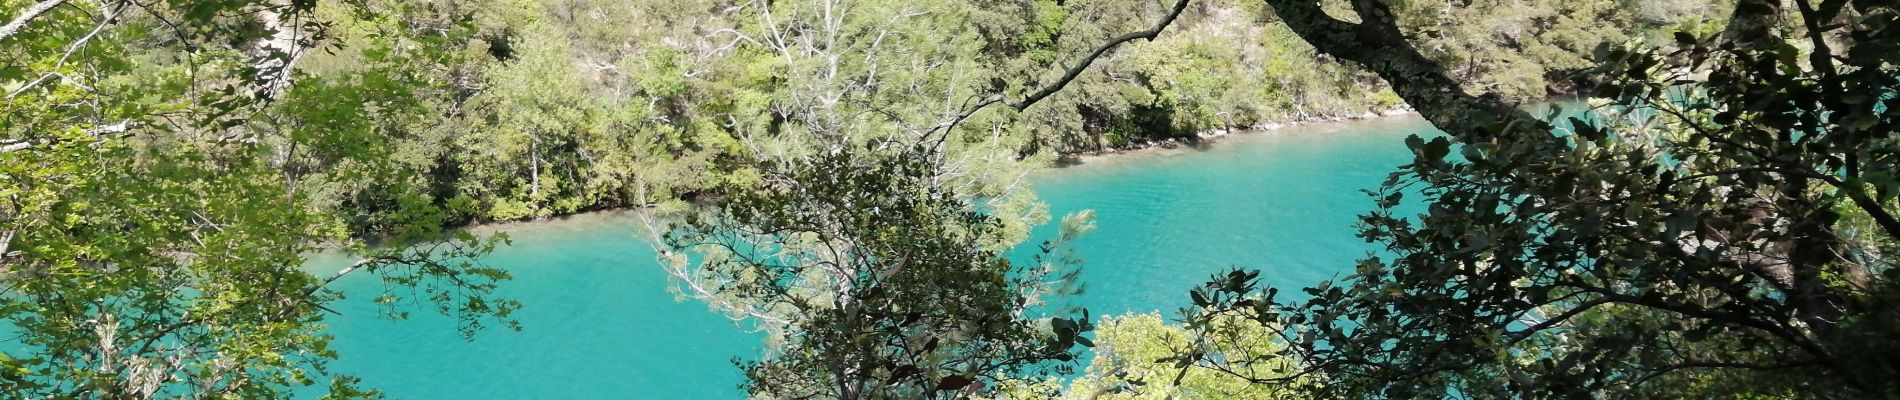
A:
{"points": [[26, 16], [1068, 75]]}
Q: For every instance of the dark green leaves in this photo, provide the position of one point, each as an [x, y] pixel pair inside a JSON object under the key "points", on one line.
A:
{"points": [[1587, 130], [954, 382], [1430, 152]]}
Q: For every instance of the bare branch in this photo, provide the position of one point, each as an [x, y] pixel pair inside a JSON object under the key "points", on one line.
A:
{"points": [[26, 16], [111, 15], [1076, 70], [12, 145], [1069, 75]]}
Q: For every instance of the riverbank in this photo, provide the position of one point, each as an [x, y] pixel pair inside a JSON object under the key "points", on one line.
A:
{"points": [[1203, 139], [1132, 151]]}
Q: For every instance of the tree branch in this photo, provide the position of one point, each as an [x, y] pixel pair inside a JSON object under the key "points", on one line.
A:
{"points": [[1377, 44], [12, 145], [26, 16], [1069, 75], [111, 16], [1551, 322], [1076, 70]]}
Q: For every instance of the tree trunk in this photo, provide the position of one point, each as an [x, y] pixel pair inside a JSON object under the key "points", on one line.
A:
{"points": [[534, 168]]}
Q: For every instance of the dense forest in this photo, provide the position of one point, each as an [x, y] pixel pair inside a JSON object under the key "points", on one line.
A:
{"points": [[849, 177]]}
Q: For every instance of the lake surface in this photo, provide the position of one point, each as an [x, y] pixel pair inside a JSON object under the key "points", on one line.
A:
{"points": [[599, 321]]}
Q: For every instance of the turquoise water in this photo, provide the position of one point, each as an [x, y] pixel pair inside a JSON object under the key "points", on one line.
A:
{"points": [[1283, 202], [600, 322]]}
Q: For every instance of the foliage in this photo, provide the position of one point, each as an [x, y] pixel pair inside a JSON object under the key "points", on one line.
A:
{"points": [[152, 245], [1527, 50], [875, 283], [525, 109], [1132, 354], [1717, 229]]}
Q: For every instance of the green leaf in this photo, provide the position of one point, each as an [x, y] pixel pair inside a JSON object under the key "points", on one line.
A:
{"points": [[12, 72], [1586, 130], [1437, 149]]}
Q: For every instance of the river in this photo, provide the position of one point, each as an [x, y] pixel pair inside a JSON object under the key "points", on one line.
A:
{"points": [[600, 323]]}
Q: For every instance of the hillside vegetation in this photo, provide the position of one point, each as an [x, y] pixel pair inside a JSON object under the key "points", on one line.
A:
{"points": [[506, 110]]}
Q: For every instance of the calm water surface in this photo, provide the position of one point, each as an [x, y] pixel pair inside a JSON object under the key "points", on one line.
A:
{"points": [[599, 321]]}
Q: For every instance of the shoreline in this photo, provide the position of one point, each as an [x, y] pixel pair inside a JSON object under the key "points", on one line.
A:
{"points": [[1063, 161], [1210, 137]]}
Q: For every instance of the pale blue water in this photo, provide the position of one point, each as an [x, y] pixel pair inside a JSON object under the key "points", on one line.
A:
{"points": [[600, 323]]}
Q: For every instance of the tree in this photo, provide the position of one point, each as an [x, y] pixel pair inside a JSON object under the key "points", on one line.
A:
{"points": [[1723, 231], [874, 283], [867, 251], [149, 246]]}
